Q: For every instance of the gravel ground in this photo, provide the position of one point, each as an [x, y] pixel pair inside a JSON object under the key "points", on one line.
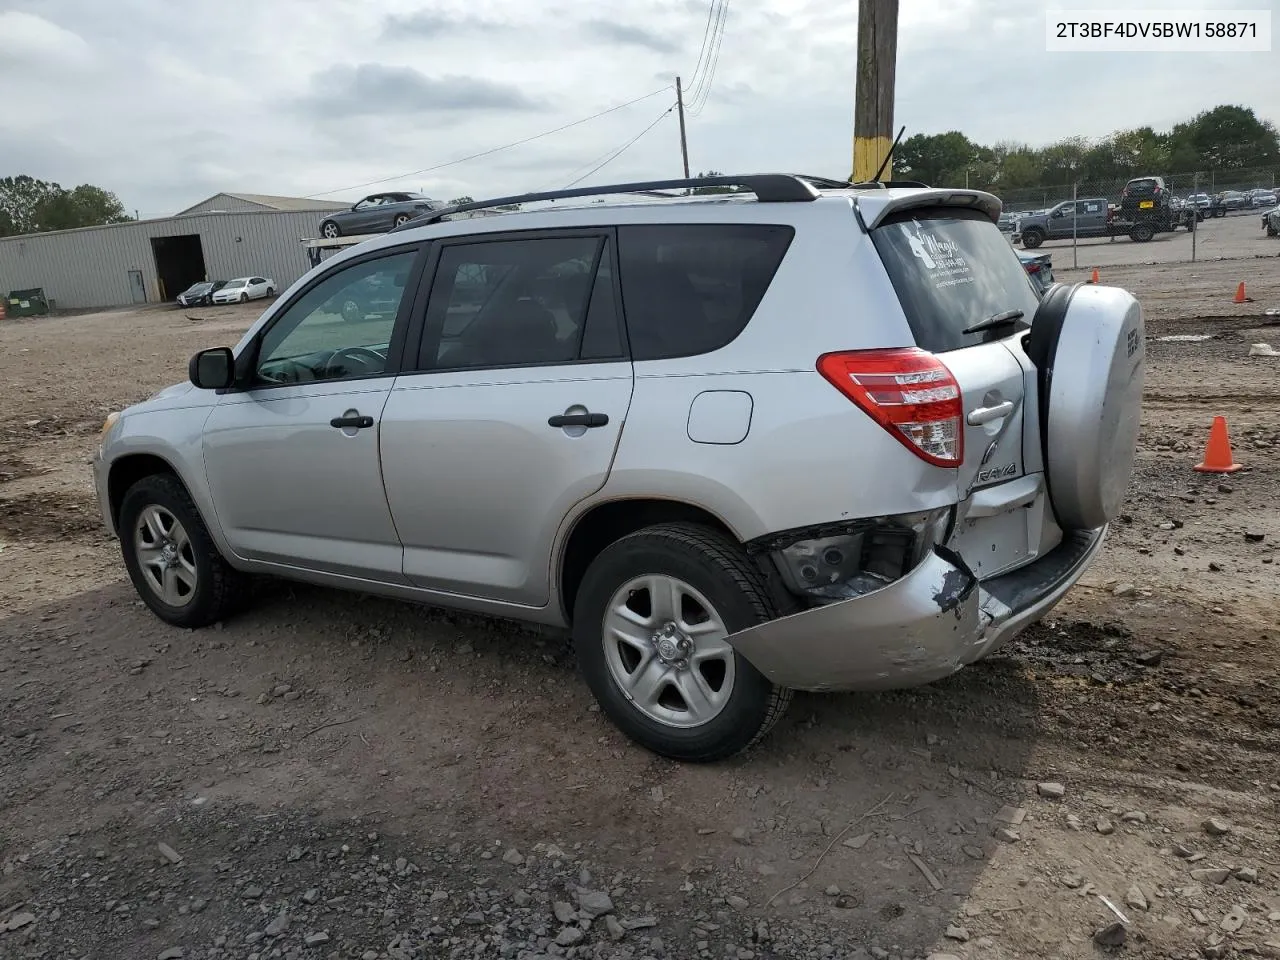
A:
{"points": [[331, 775]]}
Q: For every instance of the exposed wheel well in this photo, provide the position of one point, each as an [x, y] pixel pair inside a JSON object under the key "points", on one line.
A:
{"points": [[127, 471], [608, 522]]}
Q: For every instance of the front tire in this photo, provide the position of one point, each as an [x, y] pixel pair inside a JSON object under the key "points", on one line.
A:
{"points": [[1142, 233], [173, 562], [401, 219], [330, 230], [1032, 239], [244, 298], [649, 626]]}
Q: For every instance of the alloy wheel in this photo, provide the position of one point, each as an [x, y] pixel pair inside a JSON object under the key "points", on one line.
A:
{"points": [[666, 649], [165, 556]]}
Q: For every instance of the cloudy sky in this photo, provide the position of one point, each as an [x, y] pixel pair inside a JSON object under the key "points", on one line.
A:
{"points": [[167, 102]]}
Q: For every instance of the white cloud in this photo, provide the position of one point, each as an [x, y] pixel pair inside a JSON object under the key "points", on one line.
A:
{"points": [[166, 103], [30, 40]]}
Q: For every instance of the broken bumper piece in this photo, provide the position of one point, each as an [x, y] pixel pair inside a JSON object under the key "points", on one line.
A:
{"points": [[921, 628]]}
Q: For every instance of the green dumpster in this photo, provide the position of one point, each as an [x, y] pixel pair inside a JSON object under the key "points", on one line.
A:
{"points": [[26, 303]]}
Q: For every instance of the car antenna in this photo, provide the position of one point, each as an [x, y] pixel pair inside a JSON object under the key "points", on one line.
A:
{"points": [[893, 146]]}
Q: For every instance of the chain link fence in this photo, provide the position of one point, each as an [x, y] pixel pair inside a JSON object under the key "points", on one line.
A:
{"points": [[1195, 216], [1182, 185]]}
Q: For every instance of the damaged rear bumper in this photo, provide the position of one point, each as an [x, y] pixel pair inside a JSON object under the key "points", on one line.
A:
{"points": [[924, 627]]}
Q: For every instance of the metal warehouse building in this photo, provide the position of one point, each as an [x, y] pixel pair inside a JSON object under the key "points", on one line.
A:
{"points": [[151, 261]]}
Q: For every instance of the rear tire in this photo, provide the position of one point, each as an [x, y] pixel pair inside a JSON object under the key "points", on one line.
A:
{"points": [[719, 592], [171, 558], [1142, 233], [401, 219]]}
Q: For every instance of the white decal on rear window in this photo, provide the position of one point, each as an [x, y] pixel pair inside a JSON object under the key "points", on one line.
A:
{"points": [[941, 257]]}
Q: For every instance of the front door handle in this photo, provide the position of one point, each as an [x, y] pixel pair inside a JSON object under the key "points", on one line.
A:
{"points": [[352, 420], [578, 420], [981, 415]]}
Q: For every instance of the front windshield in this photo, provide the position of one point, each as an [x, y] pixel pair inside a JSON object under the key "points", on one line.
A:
{"points": [[233, 284]]}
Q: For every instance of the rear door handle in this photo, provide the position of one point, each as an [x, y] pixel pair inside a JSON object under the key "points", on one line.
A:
{"points": [[356, 421], [981, 415], [579, 420]]}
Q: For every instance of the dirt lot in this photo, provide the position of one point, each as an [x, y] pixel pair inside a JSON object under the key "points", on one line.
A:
{"points": [[337, 776], [1235, 236]]}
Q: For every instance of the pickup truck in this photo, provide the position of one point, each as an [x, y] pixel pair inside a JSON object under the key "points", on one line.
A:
{"points": [[1096, 217], [1079, 218]]}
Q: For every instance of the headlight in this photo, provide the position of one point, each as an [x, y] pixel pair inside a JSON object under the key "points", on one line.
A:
{"points": [[110, 421]]}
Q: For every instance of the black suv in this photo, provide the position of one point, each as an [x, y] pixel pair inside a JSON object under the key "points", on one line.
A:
{"points": [[1148, 199], [1143, 194]]}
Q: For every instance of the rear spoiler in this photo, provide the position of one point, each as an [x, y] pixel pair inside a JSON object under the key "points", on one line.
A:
{"points": [[874, 207]]}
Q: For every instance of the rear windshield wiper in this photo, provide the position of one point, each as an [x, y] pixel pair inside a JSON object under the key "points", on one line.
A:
{"points": [[995, 320]]}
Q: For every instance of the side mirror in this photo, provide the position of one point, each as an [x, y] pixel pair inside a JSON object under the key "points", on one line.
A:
{"points": [[213, 369], [1057, 213]]}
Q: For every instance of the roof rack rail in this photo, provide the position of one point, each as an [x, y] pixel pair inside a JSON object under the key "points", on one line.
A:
{"points": [[891, 184], [767, 187]]}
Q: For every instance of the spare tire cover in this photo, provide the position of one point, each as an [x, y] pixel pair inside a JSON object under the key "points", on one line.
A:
{"points": [[1088, 344]]}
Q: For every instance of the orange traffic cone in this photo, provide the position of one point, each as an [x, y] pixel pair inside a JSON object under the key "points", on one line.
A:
{"points": [[1217, 454], [1094, 278], [1240, 297]]}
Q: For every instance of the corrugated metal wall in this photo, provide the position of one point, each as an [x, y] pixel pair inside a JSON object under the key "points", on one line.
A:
{"points": [[90, 267], [223, 202]]}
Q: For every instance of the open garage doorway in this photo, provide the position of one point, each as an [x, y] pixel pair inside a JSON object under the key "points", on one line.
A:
{"points": [[179, 263]]}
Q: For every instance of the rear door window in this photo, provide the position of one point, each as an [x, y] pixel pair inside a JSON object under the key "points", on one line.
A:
{"points": [[516, 302], [952, 268], [689, 289]]}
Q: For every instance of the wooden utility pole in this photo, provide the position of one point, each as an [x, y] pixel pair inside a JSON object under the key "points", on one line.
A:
{"points": [[684, 144], [873, 103]]}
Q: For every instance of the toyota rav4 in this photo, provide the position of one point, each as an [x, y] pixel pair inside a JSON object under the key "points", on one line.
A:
{"points": [[808, 435]]}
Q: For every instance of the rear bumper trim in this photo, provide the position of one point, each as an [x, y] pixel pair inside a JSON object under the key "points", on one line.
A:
{"points": [[921, 628]]}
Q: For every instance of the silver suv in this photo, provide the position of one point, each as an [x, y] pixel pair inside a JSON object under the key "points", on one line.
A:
{"points": [[805, 436]]}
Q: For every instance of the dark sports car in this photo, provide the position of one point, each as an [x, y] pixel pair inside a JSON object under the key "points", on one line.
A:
{"points": [[200, 294], [377, 213], [1039, 267]]}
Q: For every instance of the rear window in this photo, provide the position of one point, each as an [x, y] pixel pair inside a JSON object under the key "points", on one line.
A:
{"points": [[950, 269], [1144, 185], [689, 289]]}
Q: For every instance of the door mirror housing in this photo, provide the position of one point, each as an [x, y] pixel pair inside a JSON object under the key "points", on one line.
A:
{"points": [[1057, 213], [213, 369]]}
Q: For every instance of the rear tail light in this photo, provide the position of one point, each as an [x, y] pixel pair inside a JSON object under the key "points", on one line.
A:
{"points": [[909, 392], [1033, 268]]}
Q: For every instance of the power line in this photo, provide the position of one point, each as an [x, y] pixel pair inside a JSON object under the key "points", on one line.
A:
{"points": [[492, 150], [621, 150], [704, 90], [702, 51], [717, 28]]}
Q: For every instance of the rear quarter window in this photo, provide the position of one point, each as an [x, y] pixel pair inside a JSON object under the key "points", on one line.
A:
{"points": [[689, 289], [951, 268]]}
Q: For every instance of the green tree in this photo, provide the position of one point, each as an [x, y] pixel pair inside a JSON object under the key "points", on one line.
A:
{"points": [[28, 205], [1227, 138], [938, 159], [462, 199]]}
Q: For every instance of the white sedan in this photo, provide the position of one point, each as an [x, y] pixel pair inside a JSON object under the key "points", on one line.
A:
{"points": [[243, 289]]}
